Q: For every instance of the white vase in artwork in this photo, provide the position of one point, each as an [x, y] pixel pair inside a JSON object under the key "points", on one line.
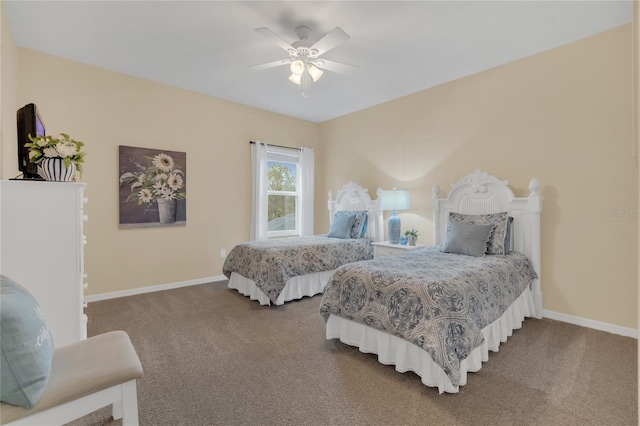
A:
{"points": [[167, 211], [54, 169]]}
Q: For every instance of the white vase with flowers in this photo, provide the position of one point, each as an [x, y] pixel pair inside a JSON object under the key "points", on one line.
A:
{"points": [[58, 157]]}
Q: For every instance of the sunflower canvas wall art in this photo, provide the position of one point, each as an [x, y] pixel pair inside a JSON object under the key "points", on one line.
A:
{"points": [[153, 187]]}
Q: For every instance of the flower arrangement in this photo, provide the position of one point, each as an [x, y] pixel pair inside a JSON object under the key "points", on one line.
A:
{"points": [[62, 146], [412, 232], [411, 236], [163, 180]]}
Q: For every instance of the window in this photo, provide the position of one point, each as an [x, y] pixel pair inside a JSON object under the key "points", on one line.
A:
{"points": [[282, 194]]}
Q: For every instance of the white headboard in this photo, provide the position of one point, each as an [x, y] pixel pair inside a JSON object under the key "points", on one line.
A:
{"points": [[353, 197], [482, 193]]}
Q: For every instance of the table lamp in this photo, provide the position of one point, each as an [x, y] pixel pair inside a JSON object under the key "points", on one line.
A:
{"points": [[394, 200]]}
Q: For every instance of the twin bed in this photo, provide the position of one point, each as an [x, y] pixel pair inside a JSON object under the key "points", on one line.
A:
{"points": [[438, 314], [436, 311], [280, 270]]}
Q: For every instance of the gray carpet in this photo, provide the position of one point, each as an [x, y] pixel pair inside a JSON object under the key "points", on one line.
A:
{"points": [[214, 357]]}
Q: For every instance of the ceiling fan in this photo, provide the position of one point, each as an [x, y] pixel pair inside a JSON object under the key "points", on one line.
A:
{"points": [[304, 58]]}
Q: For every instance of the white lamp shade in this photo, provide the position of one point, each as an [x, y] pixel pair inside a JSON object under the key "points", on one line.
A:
{"points": [[395, 199], [295, 78], [315, 73], [297, 67]]}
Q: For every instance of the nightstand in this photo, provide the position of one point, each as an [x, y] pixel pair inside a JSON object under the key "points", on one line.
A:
{"points": [[386, 249]]}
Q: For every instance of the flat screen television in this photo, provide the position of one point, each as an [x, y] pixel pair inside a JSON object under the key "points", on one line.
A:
{"points": [[29, 123]]}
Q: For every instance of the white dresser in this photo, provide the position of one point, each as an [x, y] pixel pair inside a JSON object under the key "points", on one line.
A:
{"points": [[42, 248]]}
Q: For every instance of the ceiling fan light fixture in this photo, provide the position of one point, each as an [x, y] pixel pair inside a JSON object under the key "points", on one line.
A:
{"points": [[304, 56], [295, 78], [297, 67], [315, 73]]}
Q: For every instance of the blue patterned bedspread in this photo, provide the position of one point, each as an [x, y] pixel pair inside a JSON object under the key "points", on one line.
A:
{"points": [[271, 263], [437, 301]]}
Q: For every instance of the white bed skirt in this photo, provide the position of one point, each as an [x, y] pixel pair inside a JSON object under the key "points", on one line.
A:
{"points": [[392, 350], [296, 288]]}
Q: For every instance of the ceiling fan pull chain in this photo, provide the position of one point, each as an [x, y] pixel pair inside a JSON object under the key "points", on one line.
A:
{"points": [[305, 80]]}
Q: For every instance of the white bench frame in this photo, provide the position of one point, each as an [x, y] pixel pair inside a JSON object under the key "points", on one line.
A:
{"points": [[123, 397]]}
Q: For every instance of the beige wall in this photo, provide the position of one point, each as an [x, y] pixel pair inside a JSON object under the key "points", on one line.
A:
{"points": [[563, 116], [106, 109], [8, 51]]}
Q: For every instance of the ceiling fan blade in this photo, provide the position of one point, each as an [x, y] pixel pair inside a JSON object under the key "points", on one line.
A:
{"points": [[270, 64], [334, 66], [332, 39], [267, 33]]}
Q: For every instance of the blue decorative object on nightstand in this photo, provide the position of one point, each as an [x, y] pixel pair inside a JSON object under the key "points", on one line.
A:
{"points": [[394, 228], [394, 200]]}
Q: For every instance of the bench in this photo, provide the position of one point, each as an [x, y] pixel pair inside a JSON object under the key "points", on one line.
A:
{"points": [[85, 376]]}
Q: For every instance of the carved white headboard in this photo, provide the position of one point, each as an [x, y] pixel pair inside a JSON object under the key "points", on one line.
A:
{"points": [[482, 193], [353, 197]]}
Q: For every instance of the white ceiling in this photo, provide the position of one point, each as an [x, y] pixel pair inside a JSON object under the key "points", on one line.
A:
{"points": [[400, 47]]}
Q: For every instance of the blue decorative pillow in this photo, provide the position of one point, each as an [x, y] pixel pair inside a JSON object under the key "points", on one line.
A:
{"points": [[496, 242], [359, 227], [363, 232], [27, 346], [465, 238], [507, 238], [341, 226]]}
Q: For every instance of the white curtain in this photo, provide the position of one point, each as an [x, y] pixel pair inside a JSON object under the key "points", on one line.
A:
{"points": [[259, 199], [307, 181]]}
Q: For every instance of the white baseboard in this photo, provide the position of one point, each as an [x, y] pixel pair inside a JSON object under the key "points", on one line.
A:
{"points": [[584, 322], [150, 289], [597, 325]]}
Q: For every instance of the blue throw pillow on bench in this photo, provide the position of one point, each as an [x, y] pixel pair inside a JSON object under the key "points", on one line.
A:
{"points": [[27, 346]]}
